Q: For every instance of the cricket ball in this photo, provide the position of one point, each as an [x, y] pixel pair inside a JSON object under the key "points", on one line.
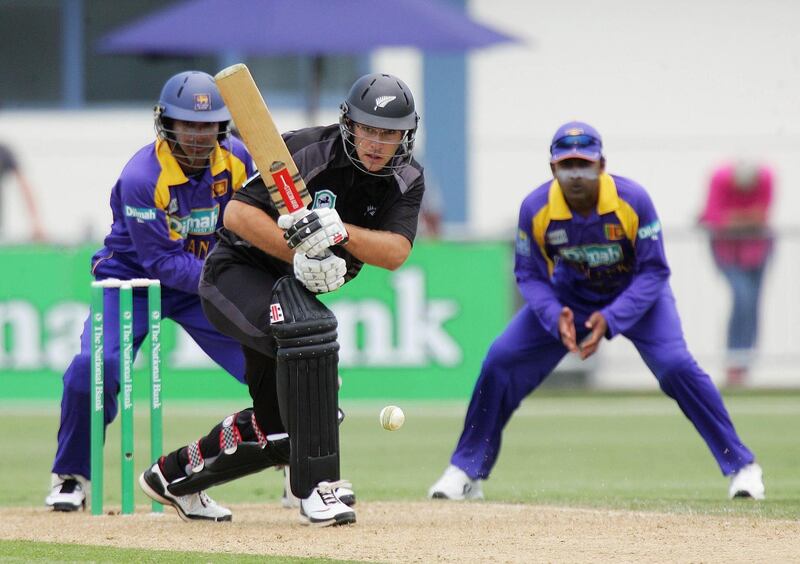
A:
{"points": [[392, 418]]}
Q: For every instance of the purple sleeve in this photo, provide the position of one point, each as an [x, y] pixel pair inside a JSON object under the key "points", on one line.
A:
{"points": [[532, 273], [651, 273], [161, 256]]}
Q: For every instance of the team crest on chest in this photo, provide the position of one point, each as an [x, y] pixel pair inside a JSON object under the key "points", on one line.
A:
{"points": [[324, 199], [220, 187], [613, 231]]}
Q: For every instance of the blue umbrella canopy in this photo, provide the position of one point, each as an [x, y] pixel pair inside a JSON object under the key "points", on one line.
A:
{"points": [[300, 27]]}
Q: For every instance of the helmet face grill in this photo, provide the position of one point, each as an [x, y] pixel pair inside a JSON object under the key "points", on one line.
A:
{"points": [[165, 129], [385, 102], [401, 158]]}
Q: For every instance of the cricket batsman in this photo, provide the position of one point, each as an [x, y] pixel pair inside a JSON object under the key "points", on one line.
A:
{"points": [[259, 286]]}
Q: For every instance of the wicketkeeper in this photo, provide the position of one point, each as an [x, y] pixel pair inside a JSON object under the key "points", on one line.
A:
{"points": [[166, 206]]}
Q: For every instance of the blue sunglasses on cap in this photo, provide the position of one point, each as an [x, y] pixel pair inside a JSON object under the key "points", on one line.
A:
{"points": [[575, 141]]}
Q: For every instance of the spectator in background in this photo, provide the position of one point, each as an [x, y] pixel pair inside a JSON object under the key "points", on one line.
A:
{"points": [[8, 163], [736, 215]]}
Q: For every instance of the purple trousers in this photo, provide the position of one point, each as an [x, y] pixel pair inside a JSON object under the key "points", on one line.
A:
{"points": [[72, 455], [525, 354]]}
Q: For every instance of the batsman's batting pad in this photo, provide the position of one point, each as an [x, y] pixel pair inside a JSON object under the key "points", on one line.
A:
{"points": [[307, 359], [248, 458]]}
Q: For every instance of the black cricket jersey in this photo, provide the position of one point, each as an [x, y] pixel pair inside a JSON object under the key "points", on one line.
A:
{"points": [[383, 203]]}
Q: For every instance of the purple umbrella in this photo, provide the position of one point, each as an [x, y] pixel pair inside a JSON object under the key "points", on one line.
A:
{"points": [[300, 27]]}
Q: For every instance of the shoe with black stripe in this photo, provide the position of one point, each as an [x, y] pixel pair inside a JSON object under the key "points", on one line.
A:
{"points": [[191, 507], [67, 494]]}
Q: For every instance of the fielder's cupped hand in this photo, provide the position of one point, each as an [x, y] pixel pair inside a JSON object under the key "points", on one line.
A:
{"points": [[314, 232], [597, 325], [320, 274], [566, 327]]}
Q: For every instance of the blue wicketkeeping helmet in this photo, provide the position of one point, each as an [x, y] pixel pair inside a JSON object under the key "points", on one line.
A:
{"points": [[192, 96]]}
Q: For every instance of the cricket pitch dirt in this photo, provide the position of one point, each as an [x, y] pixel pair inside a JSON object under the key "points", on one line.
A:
{"points": [[433, 531]]}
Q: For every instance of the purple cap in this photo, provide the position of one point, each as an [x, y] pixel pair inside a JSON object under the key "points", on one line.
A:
{"points": [[576, 140]]}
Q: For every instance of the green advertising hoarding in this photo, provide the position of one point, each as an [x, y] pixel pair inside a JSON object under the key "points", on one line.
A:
{"points": [[415, 333]]}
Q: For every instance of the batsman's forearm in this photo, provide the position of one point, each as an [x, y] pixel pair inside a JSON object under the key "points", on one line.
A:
{"points": [[379, 248], [259, 229]]}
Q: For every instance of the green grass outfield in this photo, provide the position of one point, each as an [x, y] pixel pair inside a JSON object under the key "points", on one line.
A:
{"points": [[617, 451], [21, 552]]}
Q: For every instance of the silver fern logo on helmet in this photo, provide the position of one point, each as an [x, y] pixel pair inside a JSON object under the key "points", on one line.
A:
{"points": [[381, 101]]}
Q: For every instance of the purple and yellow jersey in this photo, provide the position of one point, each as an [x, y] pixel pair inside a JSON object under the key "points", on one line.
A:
{"points": [[164, 222], [612, 261]]}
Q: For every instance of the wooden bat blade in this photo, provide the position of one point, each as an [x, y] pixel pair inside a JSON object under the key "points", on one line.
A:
{"points": [[262, 138]]}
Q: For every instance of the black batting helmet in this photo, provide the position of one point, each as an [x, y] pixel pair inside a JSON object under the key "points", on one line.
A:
{"points": [[383, 101]]}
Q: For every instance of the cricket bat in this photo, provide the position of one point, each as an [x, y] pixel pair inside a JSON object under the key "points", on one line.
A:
{"points": [[254, 122]]}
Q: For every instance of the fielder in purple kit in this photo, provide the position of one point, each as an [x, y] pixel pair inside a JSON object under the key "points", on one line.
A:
{"points": [[166, 205], [589, 263]]}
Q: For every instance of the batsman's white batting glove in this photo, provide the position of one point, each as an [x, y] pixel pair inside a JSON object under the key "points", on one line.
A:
{"points": [[320, 274], [289, 219], [314, 232]]}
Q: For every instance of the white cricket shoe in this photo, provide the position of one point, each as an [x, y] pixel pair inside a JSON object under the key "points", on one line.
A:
{"points": [[291, 501], [68, 492], [322, 508], [455, 484], [747, 482], [192, 507]]}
